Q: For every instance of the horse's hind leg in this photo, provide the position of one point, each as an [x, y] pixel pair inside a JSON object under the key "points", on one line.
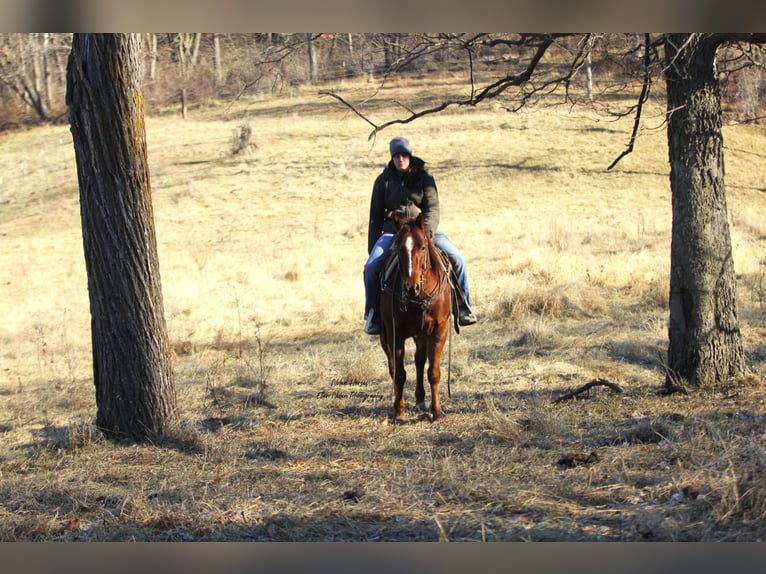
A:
{"points": [[421, 353]]}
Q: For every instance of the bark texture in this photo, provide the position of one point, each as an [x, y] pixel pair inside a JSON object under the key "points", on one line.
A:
{"points": [[705, 343], [135, 393]]}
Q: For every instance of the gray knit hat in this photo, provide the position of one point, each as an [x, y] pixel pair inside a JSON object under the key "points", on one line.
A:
{"points": [[400, 145]]}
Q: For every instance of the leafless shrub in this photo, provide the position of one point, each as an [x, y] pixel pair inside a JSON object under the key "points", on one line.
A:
{"points": [[244, 143], [554, 303]]}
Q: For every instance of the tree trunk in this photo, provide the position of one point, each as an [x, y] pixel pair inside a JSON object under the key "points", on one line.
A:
{"points": [[184, 45], [705, 343], [184, 105], [312, 56], [217, 59], [195, 49], [135, 393], [46, 67], [388, 58], [152, 56]]}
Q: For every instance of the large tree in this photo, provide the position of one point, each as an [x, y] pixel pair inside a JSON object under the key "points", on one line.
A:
{"points": [[705, 340], [135, 393], [705, 343]]}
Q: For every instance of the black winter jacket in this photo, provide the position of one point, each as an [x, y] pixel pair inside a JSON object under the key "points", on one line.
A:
{"points": [[394, 192]]}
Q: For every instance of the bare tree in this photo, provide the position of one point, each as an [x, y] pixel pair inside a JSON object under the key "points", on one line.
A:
{"points": [[28, 68], [33, 66], [186, 62], [705, 342], [135, 393], [392, 49], [151, 40], [217, 59], [705, 339], [312, 57]]}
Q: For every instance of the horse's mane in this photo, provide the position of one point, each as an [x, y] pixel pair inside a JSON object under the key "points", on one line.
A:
{"points": [[433, 253]]}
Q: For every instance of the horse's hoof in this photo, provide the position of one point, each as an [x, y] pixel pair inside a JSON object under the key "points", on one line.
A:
{"points": [[421, 407], [436, 416]]}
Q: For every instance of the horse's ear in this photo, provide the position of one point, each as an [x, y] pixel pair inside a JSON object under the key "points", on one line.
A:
{"points": [[421, 220], [397, 219]]}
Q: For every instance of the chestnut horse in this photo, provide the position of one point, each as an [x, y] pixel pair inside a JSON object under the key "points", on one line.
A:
{"points": [[417, 306]]}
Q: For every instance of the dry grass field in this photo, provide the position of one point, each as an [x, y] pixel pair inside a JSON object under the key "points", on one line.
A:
{"points": [[285, 402]]}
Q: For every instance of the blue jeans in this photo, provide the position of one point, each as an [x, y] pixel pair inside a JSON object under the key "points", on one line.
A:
{"points": [[378, 257]]}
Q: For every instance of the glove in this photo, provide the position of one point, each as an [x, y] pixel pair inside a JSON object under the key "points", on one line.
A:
{"points": [[407, 210]]}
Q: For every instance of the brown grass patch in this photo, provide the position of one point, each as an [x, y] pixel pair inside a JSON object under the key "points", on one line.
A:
{"points": [[285, 403]]}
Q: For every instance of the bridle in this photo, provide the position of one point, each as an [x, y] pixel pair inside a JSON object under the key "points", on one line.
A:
{"points": [[422, 298]]}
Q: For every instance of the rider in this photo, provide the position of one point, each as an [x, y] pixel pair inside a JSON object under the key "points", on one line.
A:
{"points": [[405, 187]]}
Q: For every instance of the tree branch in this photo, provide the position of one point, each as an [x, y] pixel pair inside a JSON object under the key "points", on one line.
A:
{"points": [[594, 383], [493, 90], [350, 106], [641, 100]]}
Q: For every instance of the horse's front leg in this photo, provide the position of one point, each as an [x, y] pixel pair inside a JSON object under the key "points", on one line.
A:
{"points": [[421, 354], [434, 376], [400, 376]]}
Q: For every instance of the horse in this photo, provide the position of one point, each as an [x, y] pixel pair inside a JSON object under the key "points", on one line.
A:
{"points": [[417, 306]]}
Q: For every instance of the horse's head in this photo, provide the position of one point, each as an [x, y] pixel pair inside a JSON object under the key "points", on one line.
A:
{"points": [[411, 244]]}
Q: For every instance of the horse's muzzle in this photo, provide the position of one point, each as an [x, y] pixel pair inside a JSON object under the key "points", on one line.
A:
{"points": [[413, 290]]}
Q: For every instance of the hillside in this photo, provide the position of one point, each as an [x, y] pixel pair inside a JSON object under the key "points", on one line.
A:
{"points": [[285, 400]]}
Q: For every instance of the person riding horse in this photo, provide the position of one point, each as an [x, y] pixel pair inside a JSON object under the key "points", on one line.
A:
{"points": [[407, 188]]}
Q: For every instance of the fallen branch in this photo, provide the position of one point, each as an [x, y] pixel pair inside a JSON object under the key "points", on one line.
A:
{"points": [[594, 383]]}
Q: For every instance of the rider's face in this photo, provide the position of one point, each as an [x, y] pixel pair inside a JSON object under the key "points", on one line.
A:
{"points": [[401, 161]]}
